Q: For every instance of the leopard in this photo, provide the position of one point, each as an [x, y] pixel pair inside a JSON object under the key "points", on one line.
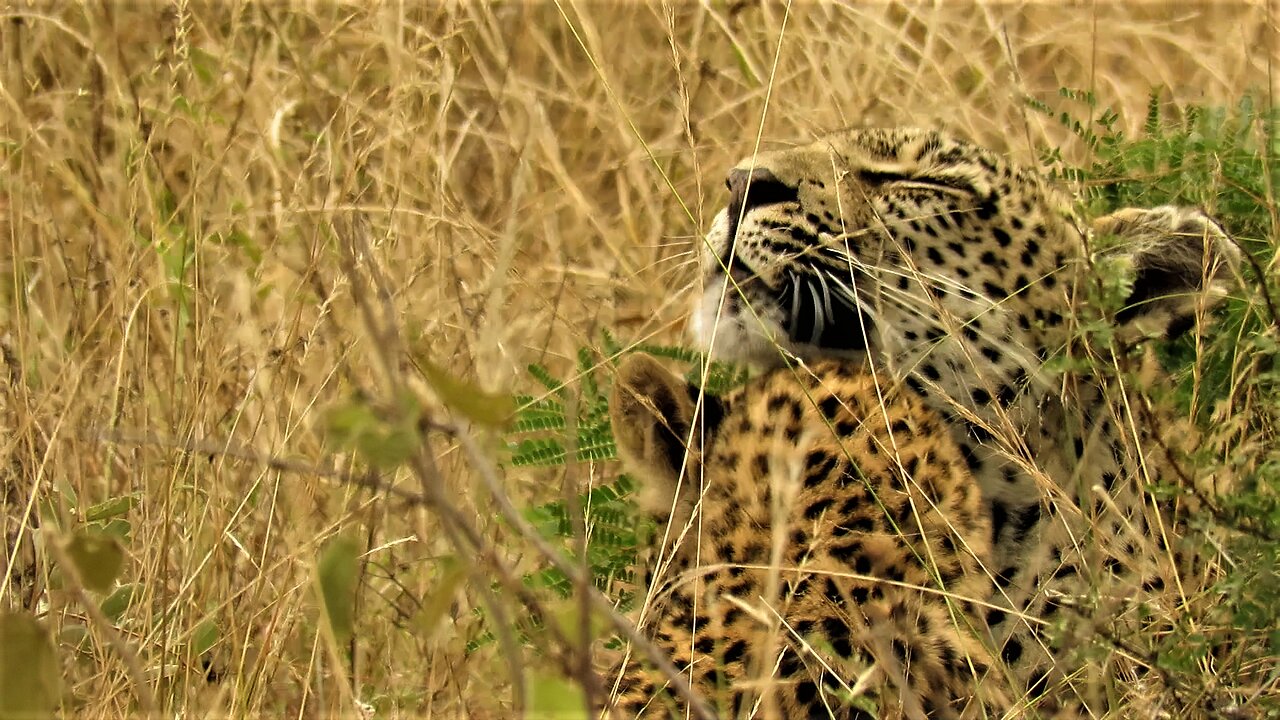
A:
{"points": [[910, 273], [834, 543]]}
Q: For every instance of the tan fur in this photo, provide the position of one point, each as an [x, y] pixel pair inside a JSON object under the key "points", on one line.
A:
{"points": [[943, 268], [839, 537]]}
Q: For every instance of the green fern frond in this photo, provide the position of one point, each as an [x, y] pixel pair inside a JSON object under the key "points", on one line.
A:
{"points": [[544, 376], [671, 352], [538, 452], [540, 438]]}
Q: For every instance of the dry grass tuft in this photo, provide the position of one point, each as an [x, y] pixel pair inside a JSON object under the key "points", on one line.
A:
{"points": [[176, 313]]}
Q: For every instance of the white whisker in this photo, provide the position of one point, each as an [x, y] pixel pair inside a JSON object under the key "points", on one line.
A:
{"points": [[826, 296], [795, 298], [818, 320]]}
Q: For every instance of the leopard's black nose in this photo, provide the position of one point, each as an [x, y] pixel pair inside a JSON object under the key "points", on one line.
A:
{"points": [[756, 188]]}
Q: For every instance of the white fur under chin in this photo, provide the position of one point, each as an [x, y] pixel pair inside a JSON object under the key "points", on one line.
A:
{"points": [[755, 339], [737, 337]]}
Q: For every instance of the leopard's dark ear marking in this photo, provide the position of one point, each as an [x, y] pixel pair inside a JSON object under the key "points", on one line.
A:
{"points": [[652, 413], [1183, 263], [713, 409]]}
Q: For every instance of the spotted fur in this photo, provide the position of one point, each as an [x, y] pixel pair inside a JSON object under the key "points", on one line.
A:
{"points": [[941, 267], [837, 561], [954, 282]]}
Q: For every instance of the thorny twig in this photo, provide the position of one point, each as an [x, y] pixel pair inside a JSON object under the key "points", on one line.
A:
{"points": [[353, 238], [354, 243]]}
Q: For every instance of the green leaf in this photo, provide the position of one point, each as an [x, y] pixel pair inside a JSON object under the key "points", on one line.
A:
{"points": [[29, 674], [119, 601], [240, 239], [539, 416], [111, 508], [438, 601], [553, 698], [345, 423], [336, 574], [391, 448], [483, 408], [586, 373], [744, 65], [204, 63], [567, 616], [385, 442], [204, 638], [549, 381], [98, 559], [75, 636], [117, 528], [542, 452]]}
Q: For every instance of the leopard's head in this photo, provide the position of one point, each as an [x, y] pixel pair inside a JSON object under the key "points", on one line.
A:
{"points": [[936, 260]]}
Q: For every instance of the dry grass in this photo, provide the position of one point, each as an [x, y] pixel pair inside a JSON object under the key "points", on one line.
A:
{"points": [[530, 174]]}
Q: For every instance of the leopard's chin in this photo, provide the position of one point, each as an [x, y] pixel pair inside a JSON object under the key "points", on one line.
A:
{"points": [[722, 326]]}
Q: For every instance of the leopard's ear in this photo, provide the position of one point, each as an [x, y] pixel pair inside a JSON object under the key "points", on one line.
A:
{"points": [[1183, 263], [652, 412]]}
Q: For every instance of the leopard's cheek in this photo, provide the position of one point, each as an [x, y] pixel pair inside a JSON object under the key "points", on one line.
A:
{"points": [[715, 245]]}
